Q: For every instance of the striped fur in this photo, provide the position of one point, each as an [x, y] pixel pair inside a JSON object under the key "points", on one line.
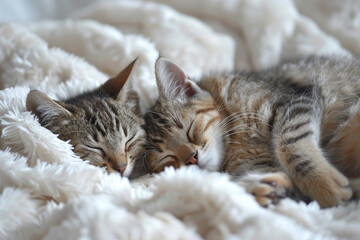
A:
{"points": [[298, 122], [103, 125]]}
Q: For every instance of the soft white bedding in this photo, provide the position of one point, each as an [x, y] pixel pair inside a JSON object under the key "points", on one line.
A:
{"points": [[46, 192]]}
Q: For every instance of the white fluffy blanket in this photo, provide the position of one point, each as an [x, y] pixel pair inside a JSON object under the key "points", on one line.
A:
{"points": [[49, 193]]}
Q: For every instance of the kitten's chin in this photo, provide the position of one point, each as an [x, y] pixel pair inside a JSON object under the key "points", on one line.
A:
{"points": [[128, 171], [211, 166], [211, 160]]}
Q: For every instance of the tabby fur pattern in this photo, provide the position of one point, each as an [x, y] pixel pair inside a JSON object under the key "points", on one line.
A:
{"points": [[294, 126]]}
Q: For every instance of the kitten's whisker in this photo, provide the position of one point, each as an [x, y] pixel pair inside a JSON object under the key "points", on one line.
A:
{"points": [[235, 129], [232, 117], [239, 126], [221, 132], [221, 106], [250, 128], [226, 121], [235, 132], [172, 114], [225, 133], [231, 134], [142, 158], [248, 115], [240, 118]]}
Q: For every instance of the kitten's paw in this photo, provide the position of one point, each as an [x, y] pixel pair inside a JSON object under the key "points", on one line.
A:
{"points": [[329, 187], [267, 188]]}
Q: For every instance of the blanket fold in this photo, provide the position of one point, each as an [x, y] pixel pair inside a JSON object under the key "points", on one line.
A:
{"points": [[47, 192]]}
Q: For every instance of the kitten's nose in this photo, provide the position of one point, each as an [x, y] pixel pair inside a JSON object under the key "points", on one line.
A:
{"points": [[120, 167], [193, 159]]}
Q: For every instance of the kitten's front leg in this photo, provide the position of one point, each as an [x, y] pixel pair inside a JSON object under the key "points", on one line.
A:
{"points": [[267, 188], [296, 136]]}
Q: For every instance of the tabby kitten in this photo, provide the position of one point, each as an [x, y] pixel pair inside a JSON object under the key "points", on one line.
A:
{"points": [[103, 125], [273, 131]]}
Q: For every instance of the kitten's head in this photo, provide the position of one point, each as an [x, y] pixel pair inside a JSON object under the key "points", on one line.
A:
{"points": [[103, 125], [182, 128]]}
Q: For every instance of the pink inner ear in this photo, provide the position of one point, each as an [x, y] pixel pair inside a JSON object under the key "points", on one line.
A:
{"points": [[189, 90], [180, 76], [169, 71]]}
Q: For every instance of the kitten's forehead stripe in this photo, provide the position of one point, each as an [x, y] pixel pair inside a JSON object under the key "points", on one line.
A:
{"points": [[205, 110], [109, 111], [188, 132], [156, 124], [100, 127], [125, 130], [131, 138], [106, 109], [112, 107], [115, 113], [211, 121], [117, 122]]}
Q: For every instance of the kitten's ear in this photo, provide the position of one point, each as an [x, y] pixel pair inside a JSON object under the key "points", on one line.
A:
{"points": [[43, 106], [114, 85], [172, 82], [120, 88]]}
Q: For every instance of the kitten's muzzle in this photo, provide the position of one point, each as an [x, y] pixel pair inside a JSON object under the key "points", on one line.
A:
{"points": [[120, 167], [186, 155], [192, 159]]}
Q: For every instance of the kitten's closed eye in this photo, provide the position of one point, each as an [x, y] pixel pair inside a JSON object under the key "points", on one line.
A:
{"points": [[118, 164], [183, 146], [98, 150]]}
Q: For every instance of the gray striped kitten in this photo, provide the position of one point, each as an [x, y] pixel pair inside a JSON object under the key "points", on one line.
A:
{"points": [[103, 125], [294, 126]]}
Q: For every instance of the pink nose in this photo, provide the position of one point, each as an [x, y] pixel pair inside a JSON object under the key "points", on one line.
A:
{"points": [[193, 159], [120, 167]]}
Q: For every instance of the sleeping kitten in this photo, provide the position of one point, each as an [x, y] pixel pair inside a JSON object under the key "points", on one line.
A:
{"points": [[103, 125], [273, 131]]}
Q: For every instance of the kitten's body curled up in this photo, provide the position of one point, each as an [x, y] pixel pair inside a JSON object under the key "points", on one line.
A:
{"points": [[296, 125], [103, 125]]}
